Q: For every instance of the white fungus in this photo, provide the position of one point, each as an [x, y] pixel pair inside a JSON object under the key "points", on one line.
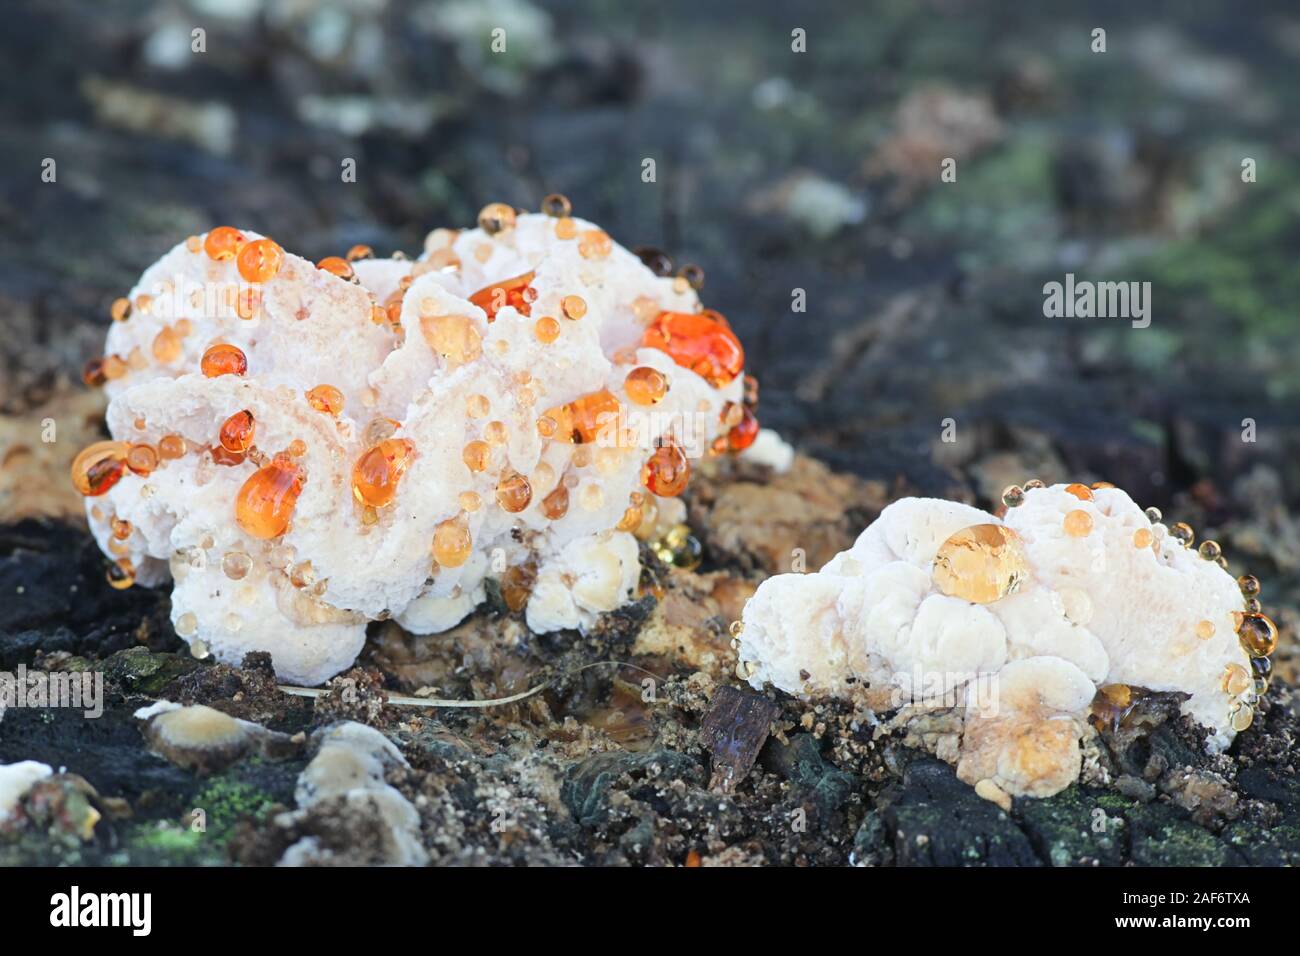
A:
{"points": [[15, 780], [426, 366], [1018, 622]]}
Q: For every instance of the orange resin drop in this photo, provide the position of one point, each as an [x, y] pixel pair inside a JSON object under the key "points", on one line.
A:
{"points": [[266, 502], [99, 467], [743, 433], [667, 471], [236, 434], [260, 260], [223, 243], [171, 447], [700, 342], [326, 398], [514, 292], [360, 251], [547, 329], [223, 360], [646, 385], [1082, 492], [514, 492], [588, 418], [377, 472], [142, 459], [336, 266], [452, 543], [1258, 634], [556, 505]]}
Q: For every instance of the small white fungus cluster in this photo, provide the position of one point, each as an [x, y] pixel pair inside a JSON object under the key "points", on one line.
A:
{"points": [[307, 596], [1120, 604]]}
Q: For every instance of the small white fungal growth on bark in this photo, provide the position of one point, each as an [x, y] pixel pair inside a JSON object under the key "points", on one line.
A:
{"points": [[305, 448], [1019, 621], [15, 780]]}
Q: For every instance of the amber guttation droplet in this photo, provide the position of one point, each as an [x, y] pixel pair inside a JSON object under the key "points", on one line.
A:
{"points": [[1142, 538], [237, 431], [99, 467], [167, 345], [454, 337], [142, 459], [1253, 606], [1013, 496], [556, 504], [93, 373], [656, 260], [646, 385], [573, 306], [495, 218], [514, 492], [1258, 634], [1236, 679], [517, 585], [1082, 492], [266, 502], [565, 228], [1249, 585], [547, 329], [121, 529], [337, 266], [377, 472], [1111, 704], [700, 342], [1210, 550], [452, 542], [514, 292], [223, 359], [631, 519], [595, 244], [1205, 630], [1182, 533], [588, 418], [557, 206], [667, 471], [1078, 523], [360, 251], [260, 260], [120, 310], [120, 574], [171, 447], [325, 398], [1098, 485], [982, 563], [744, 432], [223, 243], [477, 454]]}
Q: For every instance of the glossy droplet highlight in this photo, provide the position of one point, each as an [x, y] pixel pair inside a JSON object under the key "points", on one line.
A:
{"points": [[266, 502], [260, 260], [452, 542], [586, 419], [223, 243], [376, 474], [516, 293], [667, 471], [1078, 523], [514, 492], [700, 342], [99, 467], [326, 399], [237, 431], [1258, 634], [223, 359], [645, 385], [982, 564]]}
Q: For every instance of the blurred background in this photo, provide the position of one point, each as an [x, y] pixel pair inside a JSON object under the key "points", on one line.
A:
{"points": [[776, 171]]}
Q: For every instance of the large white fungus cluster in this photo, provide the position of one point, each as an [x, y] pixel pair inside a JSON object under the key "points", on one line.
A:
{"points": [[1019, 621], [304, 448]]}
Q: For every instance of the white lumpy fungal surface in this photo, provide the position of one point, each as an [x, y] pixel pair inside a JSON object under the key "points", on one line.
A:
{"points": [[306, 595], [1122, 604]]}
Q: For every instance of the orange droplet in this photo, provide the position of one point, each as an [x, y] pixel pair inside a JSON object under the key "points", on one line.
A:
{"points": [[360, 251], [646, 385], [92, 373], [326, 398], [565, 228], [698, 341], [1258, 634], [377, 471], [336, 266], [167, 345], [454, 337], [547, 329], [223, 359], [223, 243], [514, 292], [1082, 492], [587, 418], [266, 502], [260, 260], [452, 542], [236, 434], [142, 459], [1078, 524], [514, 492], [120, 310], [556, 505], [595, 244], [743, 433], [573, 306], [631, 519], [171, 447], [114, 367], [667, 471], [99, 467]]}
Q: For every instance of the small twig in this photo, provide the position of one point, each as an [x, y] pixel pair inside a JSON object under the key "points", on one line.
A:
{"points": [[404, 700]]}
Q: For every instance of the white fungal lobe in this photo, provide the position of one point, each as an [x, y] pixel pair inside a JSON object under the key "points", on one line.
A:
{"points": [[464, 383], [1019, 621]]}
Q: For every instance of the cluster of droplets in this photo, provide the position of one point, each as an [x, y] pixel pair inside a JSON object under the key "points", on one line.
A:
{"points": [[264, 505], [1255, 630]]}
